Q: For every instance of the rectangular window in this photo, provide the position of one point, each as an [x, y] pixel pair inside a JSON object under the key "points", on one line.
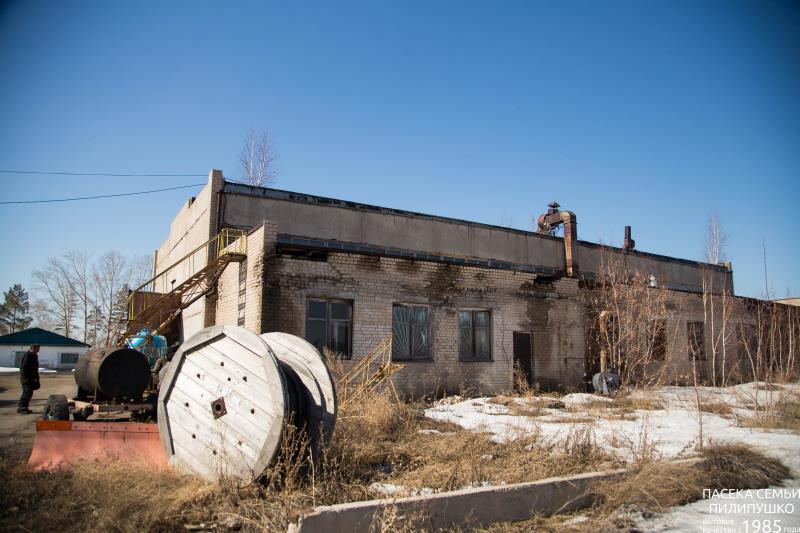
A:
{"points": [[411, 332], [696, 336], [474, 336], [329, 324], [69, 358], [657, 339]]}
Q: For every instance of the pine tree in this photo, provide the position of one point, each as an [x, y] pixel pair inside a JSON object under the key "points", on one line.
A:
{"points": [[15, 310]]}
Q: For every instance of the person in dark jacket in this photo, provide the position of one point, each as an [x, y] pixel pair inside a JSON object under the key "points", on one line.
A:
{"points": [[28, 377]]}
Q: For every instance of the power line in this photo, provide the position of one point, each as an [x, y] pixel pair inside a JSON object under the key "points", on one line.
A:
{"points": [[102, 174], [101, 196]]}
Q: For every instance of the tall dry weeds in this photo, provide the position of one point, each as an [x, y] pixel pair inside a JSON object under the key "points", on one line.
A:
{"points": [[655, 486]]}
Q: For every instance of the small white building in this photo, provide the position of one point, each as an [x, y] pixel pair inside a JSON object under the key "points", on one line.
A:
{"points": [[56, 351]]}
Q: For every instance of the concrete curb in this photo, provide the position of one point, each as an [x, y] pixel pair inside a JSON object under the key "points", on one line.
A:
{"points": [[473, 507]]}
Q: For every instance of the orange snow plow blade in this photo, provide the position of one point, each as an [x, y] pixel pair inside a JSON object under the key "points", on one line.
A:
{"points": [[60, 443]]}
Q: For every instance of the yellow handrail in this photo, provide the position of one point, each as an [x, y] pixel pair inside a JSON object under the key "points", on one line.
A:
{"points": [[228, 241]]}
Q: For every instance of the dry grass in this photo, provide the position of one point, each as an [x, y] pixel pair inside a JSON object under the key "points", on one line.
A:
{"points": [[782, 414], [716, 407], [125, 497], [629, 403], [376, 440], [387, 434], [531, 406], [655, 486]]}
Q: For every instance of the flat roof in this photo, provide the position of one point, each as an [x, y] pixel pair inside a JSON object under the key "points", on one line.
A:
{"points": [[291, 196]]}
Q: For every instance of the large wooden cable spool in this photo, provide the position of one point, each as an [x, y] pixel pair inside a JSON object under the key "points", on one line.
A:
{"points": [[306, 363], [228, 395]]}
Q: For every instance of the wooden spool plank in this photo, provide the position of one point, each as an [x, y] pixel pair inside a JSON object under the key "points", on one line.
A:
{"points": [[308, 364], [231, 366]]}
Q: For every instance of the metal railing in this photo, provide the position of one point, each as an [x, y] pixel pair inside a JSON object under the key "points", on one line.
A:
{"points": [[226, 242], [370, 372]]}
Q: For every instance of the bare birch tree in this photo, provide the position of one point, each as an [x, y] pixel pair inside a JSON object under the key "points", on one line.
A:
{"points": [[717, 300], [635, 338], [42, 317], [140, 270], [81, 281], [258, 158], [715, 242], [53, 286], [110, 274]]}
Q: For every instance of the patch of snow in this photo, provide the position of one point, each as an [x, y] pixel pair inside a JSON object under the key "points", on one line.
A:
{"points": [[396, 491], [671, 432], [449, 400], [582, 398], [580, 519], [13, 370], [778, 506], [387, 489]]}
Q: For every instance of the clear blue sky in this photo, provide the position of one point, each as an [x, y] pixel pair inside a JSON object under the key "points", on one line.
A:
{"points": [[652, 114]]}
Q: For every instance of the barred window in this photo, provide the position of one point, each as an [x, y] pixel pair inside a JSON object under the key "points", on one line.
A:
{"points": [[474, 336], [411, 332], [329, 324]]}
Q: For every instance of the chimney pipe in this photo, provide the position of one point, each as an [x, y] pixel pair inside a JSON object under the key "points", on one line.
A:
{"points": [[629, 244]]}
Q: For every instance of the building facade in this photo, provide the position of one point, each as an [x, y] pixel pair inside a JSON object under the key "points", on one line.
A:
{"points": [[55, 352], [465, 302]]}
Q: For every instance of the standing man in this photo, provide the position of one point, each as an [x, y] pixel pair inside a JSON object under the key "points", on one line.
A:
{"points": [[28, 377]]}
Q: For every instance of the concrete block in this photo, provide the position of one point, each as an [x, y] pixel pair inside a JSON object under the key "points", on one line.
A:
{"points": [[474, 507]]}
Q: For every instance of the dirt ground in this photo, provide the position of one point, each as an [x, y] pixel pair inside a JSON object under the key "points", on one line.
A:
{"points": [[16, 430]]}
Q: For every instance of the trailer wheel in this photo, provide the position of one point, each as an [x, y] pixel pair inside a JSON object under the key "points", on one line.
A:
{"points": [[56, 408]]}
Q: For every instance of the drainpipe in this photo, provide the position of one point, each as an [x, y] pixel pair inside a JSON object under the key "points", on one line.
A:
{"points": [[603, 320]]}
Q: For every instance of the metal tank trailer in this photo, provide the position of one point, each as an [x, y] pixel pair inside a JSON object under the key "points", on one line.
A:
{"points": [[225, 404]]}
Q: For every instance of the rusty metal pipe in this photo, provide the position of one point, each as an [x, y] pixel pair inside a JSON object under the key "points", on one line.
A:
{"points": [[603, 320], [551, 220]]}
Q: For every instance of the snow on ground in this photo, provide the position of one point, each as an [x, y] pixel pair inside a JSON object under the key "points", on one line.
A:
{"points": [[672, 432], [14, 370]]}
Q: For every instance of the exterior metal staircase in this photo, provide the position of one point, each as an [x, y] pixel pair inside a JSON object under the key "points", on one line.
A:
{"points": [[156, 310]]}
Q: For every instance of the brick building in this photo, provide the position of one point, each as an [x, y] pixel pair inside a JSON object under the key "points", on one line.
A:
{"points": [[462, 300]]}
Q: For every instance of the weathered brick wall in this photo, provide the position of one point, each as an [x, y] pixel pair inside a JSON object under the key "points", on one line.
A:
{"points": [[241, 288], [228, 295], [260, 251], [689, 307], [684, 307], [549, 310], [556, 313]]}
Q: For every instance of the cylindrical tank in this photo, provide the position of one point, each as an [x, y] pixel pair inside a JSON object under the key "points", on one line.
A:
{"points": [[228, 396], [111, 373]]}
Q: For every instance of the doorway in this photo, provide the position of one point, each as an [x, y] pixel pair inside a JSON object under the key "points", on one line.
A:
{"points": [[523, 349]]}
